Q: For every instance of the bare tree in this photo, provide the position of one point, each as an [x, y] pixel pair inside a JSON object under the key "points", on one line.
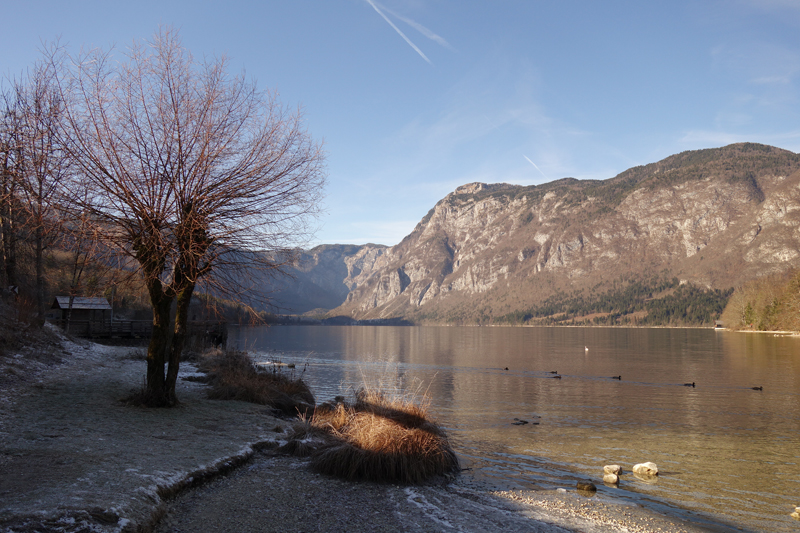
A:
{"points": [[191, 168], [43, 163], [33, 165], [78, 236], [10, 171]]}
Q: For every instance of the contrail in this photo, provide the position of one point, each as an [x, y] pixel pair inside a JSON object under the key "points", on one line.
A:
{"points": [[534, 165], [420, 28], [403, 35]]}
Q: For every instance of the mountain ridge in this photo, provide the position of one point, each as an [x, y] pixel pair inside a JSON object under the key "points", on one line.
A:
{"points": [[485, 251], [709, 219]]}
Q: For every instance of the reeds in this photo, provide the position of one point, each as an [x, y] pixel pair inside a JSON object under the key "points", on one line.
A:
{"points": [[376, 437], [233, 376]]}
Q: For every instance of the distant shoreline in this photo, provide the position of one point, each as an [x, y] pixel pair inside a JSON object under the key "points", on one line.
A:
{"points": [[405, 323]]}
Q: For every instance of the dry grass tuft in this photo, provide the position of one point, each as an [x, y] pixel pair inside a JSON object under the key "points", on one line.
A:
{"points": [[377, 437], [233, 376]]}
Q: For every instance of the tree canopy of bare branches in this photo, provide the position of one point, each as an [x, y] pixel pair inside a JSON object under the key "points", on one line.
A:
{"points": [[34, 165], [189, 166]]}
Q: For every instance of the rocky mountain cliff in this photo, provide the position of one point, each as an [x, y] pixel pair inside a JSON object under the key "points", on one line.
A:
{"points": [[710, 219], [321, 278]]}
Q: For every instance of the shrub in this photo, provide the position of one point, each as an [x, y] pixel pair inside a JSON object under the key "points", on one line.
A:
{"points": [[376, 437], [233, 376]]}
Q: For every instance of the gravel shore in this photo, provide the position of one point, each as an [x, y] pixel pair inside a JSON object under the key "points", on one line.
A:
{"points": [[281, 494], [73, 458]]}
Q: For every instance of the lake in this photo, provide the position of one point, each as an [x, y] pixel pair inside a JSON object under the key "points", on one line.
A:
{"points": [[724, 450]]}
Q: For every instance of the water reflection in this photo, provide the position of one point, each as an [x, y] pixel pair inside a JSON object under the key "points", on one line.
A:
{"points": [[723, 448]]}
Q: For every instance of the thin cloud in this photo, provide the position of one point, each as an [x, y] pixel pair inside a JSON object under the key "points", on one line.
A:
{"points": [[403, 35], [534, 165], [419, 27]]}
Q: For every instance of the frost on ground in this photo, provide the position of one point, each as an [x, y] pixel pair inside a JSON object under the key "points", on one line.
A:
{"points": [[74, 457]]}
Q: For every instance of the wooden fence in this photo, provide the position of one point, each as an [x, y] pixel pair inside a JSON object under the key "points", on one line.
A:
{"points": [[213, 332]]}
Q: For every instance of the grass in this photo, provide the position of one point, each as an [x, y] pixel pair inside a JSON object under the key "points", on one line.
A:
{"points": [[233, 376], [375, 437]]}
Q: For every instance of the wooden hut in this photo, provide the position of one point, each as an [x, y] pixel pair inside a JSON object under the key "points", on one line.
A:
{"points": [[83, 309]]}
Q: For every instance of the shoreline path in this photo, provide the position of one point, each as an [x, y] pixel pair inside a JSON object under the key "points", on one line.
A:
{"points": [[73, 458]]}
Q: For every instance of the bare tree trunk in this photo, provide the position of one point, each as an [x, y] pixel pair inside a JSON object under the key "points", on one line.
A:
{"points": [[178, 338], [10, 250], [39, 261], [155, 389], [8, 215]]}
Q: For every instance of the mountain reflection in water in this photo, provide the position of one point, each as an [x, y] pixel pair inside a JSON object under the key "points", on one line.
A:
{"points": [[722, 448]]}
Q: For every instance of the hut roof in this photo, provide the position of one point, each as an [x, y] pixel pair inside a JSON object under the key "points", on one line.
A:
{"points": [[81, 302]]}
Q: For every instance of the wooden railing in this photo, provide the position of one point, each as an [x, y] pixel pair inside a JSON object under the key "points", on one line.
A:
{"points": [[137, 329]]}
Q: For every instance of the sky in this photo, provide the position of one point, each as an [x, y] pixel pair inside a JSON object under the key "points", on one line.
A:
{"points": [[413, 98]]}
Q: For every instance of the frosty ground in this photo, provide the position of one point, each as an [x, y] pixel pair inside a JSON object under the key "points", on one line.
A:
{"points": [[73, 457]]}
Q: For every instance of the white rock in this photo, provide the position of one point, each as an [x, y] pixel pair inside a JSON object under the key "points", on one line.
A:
{"points": [[646, 469], [611, 479], [612, 469]]}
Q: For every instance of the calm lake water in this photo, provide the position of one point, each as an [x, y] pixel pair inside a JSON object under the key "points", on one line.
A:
{"points": [[725, 451]]}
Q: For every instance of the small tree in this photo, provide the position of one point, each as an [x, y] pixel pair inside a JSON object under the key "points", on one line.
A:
{"points": [[33, 165], [191, 168], [44, 165]]}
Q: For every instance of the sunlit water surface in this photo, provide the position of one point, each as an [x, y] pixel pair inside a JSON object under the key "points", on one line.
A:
{"points": [[724, 450]]}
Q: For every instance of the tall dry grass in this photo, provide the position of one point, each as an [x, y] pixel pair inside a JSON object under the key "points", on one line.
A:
{"points": [[233, 376], [378, 436]]}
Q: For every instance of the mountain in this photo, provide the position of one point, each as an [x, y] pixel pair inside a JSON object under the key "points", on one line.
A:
{"points": [[321, 278], [687, 228]]}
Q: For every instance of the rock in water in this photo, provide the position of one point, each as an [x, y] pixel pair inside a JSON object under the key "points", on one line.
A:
{"points": [[650, 480], [646, 469], [587, 486], [612, 469], [611, 479]]}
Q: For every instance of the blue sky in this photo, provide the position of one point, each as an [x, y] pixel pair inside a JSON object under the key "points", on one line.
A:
{"points": [[416, 97]]}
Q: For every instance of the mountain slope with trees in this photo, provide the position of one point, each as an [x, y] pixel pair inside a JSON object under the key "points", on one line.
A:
{"points": [[662, 243]]}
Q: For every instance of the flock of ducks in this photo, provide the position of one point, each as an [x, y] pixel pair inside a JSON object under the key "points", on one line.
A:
{"points": [[556, 375]]}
